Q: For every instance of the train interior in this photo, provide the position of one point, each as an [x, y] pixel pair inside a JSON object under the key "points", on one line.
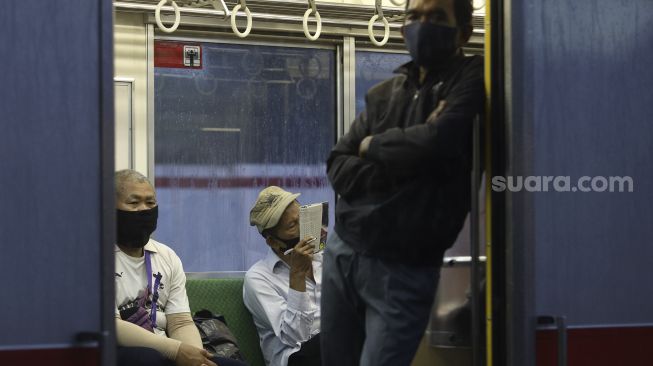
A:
{"points": [[214, 100]]}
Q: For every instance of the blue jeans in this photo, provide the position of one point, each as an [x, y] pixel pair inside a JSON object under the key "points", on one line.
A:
{"points": [[374, 311]]}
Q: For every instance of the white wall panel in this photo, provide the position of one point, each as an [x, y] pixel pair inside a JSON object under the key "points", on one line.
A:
{"points": [[130, 45]]}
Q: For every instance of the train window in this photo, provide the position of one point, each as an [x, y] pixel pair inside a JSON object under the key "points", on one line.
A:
{"points": [[252, 116], [372, 68]]}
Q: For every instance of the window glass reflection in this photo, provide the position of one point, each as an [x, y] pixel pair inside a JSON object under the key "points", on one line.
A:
{"points": [[371, 69], [252, 116]]}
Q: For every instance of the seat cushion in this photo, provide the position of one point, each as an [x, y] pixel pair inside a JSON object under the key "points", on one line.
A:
{"points": [[225, 296]]}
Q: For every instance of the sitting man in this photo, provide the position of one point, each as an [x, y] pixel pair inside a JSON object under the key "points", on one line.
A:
{"points": [[153, 322], [283, 290]]}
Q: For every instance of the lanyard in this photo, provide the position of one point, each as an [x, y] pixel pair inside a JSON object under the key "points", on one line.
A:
{"points": [[154, 290]]}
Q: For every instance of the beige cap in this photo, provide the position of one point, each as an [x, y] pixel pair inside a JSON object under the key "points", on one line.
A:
{"points": [[269, 206]]}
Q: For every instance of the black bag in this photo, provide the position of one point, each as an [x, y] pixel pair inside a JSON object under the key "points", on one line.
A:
{"points": [[216, 336]]}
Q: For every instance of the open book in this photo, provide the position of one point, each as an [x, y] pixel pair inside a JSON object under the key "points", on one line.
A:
{"points": [[313, 222]]}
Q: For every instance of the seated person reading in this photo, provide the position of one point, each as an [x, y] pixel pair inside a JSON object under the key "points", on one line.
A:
{"points": [[282, 291]]}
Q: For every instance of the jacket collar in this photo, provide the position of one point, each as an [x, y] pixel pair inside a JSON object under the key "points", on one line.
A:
{"points": [[412, 71]]}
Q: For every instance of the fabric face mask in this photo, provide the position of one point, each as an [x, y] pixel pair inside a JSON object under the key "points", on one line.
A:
{"points": [[289, 243], [135, 227], [429, 44]]}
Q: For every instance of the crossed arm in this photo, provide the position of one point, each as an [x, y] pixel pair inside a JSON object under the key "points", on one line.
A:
{"points": [[361, 160]]}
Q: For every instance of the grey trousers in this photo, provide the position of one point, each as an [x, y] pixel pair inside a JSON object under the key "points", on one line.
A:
{"points": [[374, 311]]}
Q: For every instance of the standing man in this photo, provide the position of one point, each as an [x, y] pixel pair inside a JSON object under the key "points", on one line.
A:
{"points": [[403, 176], [153, 322], [282, 291]]}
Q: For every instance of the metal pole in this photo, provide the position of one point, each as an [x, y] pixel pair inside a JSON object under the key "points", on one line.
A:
{"points": [[474, 239], [562, 340]]}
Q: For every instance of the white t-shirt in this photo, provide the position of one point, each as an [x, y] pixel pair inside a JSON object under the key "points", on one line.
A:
{"points": [[131, 282]]}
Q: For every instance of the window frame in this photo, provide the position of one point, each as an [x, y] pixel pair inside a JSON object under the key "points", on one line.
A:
{"points": [[345, 49], [283, 42]]}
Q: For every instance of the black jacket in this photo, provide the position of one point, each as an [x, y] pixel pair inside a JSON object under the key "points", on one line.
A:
{"points": [[408, 197]]}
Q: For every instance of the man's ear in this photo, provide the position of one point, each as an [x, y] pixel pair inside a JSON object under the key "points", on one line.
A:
{"points": [[273, 243], [270, 241]]}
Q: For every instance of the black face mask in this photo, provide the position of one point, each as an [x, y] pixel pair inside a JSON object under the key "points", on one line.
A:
{"points": [[290, 243], [135, 227], [429, 44]]}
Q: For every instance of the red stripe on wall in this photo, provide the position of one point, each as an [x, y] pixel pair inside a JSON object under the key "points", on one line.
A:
{"points": [[623, 346], [240, 182], [51, 357]]}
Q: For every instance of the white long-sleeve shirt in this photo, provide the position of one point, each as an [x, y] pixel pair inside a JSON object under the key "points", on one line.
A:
{"points": [[284, 318]]}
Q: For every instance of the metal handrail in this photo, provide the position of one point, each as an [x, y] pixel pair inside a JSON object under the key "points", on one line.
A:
{"points": [[474, 242], [193, 11], [217, 5]]}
